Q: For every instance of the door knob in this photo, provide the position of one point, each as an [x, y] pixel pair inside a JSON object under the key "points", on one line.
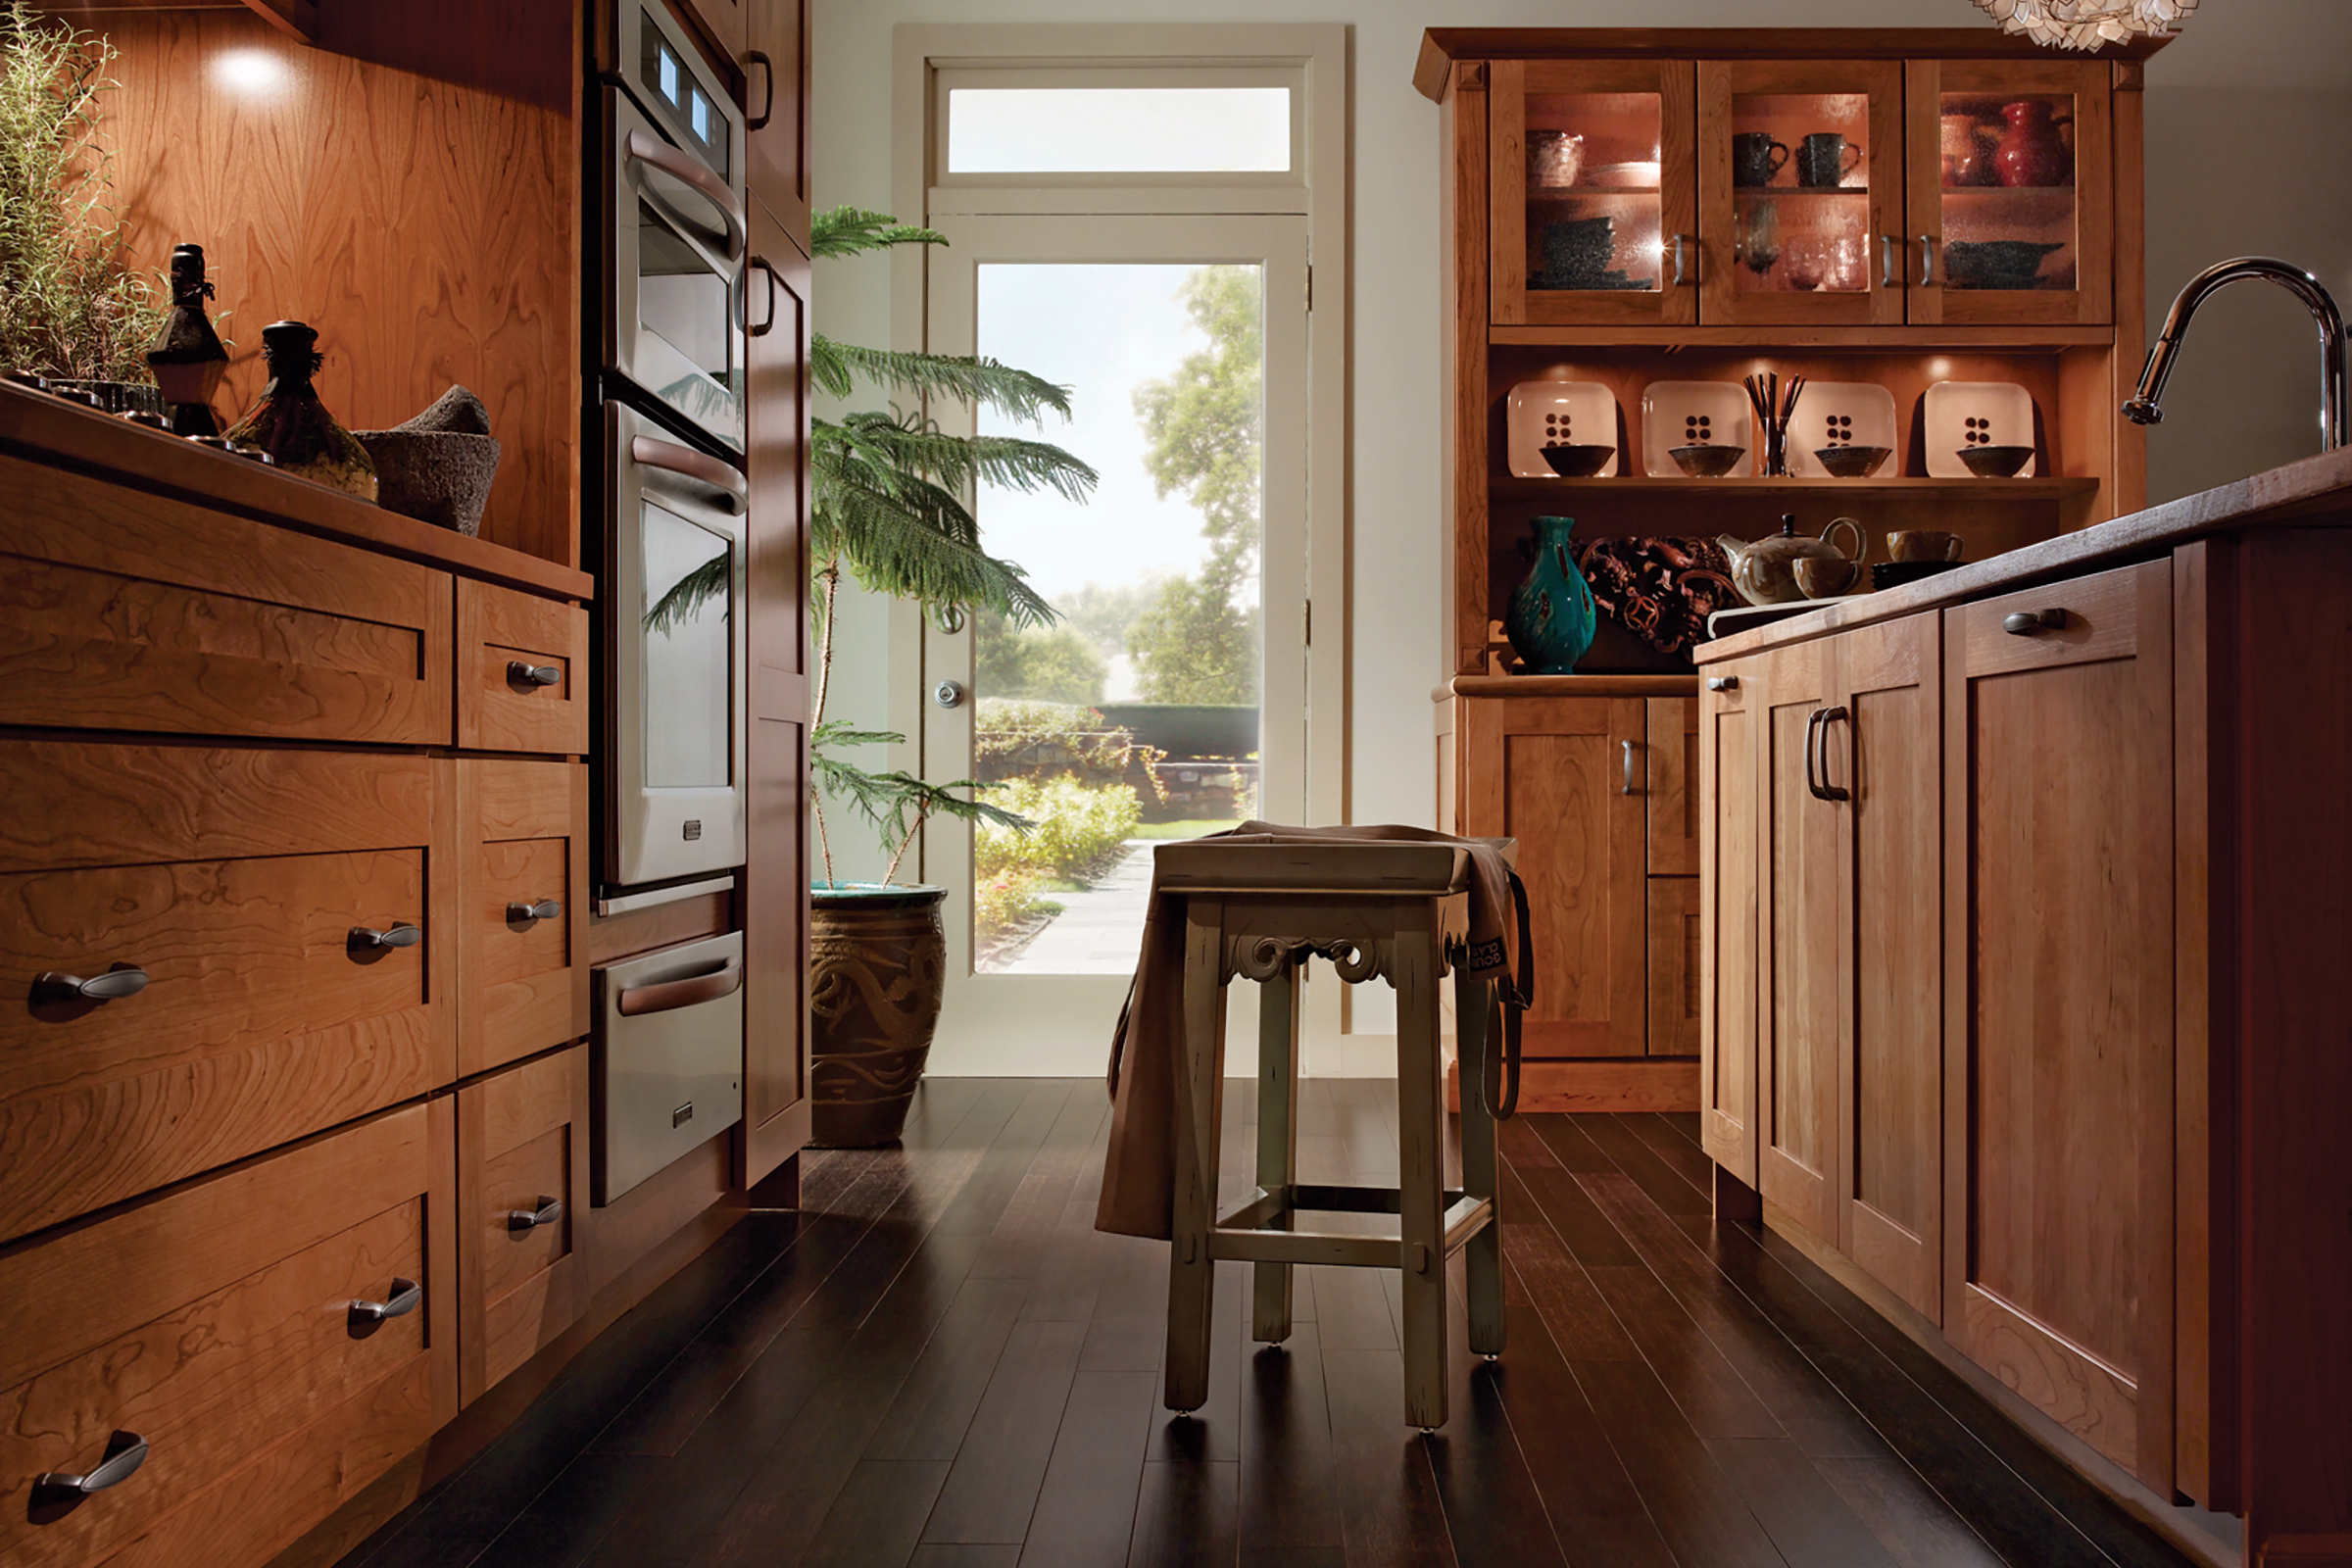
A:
{"points": [[948, 694]]}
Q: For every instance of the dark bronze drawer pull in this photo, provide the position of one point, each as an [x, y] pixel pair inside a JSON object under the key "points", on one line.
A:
{"points": [[1723, 683], [123, 980], [405, 1295], [400, 935], [126, 1452], [550, 1210], [1816, 729], [518, 913], [2034, 622], [523, 673]]}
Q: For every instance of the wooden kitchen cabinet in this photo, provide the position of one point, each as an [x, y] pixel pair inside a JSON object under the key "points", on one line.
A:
{"points": [[2058, 978], [1796, 1034], [523, 971], [775, 72], [1730, 915], [522, 671], [522, 1197]]}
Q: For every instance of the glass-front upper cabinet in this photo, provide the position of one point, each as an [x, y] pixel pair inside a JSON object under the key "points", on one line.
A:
{"points": [[2012, 186], [1594, 198], [1801, 210]]}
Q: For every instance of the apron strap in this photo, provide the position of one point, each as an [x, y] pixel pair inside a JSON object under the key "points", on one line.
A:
{"points": [[1512, 999]]}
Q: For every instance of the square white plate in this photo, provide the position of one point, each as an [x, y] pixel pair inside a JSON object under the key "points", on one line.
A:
{"points": [[1558, 414], [1681, 413], [1843, 414], [1974, 414]]}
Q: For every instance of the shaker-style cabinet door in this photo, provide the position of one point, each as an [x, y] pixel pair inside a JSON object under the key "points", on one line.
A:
{"points": [[2058, 1003], [2012, 191], [1594, 198], [1731, 702], [524, 969], [1800, 191], [775, 78]]}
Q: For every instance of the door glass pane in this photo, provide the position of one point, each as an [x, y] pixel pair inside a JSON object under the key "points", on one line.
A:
{"points": [[1137, 717], [1069, 130], [1801, 187], [689, 573], [2009, 210], [1593, 205]]}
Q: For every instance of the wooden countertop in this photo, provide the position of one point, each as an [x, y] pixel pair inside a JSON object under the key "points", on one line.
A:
{"points": [[2316, 491], [1567, 686], [47, 429]]}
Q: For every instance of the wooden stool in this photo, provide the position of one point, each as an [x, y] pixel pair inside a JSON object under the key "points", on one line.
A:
{"points": [[1259, 910]]}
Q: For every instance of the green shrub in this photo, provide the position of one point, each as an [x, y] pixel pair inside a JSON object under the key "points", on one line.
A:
{"points": [[1013, 737], [999, 900], [1080, 828]]}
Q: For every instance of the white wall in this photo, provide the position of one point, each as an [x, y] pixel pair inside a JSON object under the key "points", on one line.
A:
{"points": [[2248, 120]]}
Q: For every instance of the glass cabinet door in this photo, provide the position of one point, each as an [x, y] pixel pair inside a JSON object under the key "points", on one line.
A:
{"points": [[2011, 191], [1801, 174], [1594, 198]]}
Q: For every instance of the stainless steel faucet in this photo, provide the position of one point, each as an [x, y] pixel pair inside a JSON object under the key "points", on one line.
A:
{"points": [[2142, 407]]}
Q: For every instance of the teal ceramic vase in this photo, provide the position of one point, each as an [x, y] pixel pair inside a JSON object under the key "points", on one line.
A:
{"points": [[1550, 620]]}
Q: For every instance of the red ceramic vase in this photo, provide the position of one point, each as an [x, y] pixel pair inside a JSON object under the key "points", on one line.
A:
{"points": [[2033, 153]]}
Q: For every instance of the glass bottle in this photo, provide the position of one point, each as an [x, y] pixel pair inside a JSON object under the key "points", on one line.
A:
{"points": [[187, 358], [293, 426]]}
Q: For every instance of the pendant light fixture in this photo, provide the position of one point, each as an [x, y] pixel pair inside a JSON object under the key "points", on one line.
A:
{"points": [[2088, 24]]}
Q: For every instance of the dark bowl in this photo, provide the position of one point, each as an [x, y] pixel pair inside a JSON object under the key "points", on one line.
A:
{"points": [[1707, 461], [1577, 462], [1996, 462], [1850, 462]]}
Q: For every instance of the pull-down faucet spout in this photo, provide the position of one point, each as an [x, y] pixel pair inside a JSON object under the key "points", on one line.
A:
{"points": [[2143, 408]]}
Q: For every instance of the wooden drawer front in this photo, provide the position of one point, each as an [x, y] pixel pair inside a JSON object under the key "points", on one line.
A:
{"points": [[234, 880], [525, 980], [126, 611], [522, 1140], [215, 1322], [502, 636]]}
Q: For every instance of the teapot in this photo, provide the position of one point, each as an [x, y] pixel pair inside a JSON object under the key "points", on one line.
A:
{"points": [[1765, 571]]}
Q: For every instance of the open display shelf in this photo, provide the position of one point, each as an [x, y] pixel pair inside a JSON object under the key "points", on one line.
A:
{"points": [[2061, 488]]}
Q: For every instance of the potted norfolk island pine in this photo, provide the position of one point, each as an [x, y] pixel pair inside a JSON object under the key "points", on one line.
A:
{"points": [[889, 504]]}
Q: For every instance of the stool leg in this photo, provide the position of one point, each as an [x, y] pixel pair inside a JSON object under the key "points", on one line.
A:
{"points": [[1481, 1254], [1201, 1084], [1421, 1170], [1277, 1137]]}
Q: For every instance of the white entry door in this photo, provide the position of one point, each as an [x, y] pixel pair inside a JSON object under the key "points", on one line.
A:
{"points": [[1171, 699]]}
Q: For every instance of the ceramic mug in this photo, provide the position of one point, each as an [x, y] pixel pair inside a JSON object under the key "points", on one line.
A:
{"points": [[1824, 160], [1823, 578], [1923, 544], [1752, 160]]}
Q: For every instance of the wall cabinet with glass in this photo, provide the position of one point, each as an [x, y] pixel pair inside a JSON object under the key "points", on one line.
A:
{"points": [[1807, 191]]}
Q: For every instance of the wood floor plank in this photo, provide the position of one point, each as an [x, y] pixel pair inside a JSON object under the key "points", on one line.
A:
{"points": [[1188, 1515], [1918, 1528], [1667, 1187], [1702, 1382], [935, 1405], [1351, 1308], [1693, 1501], [1495, 1514], [1557, 1285], [1002, 1462], [943, 1555], [1664, 1139], [1290, 1500], [782, 1506], [1389, 1511], [1086, 1509], [1590, 1239], [877, 1517], [1803, 1514]]}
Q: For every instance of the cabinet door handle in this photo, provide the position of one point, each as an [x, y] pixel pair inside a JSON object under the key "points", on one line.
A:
{"points": [[400, 934], [1629, 787], [2034, 622], [523, 672], [550, 1210], [126, 1452], [1891, 248], [123, 980], [767, 323], [1817, 733], [404, 1297], [1723, 683], [767, 105], [518, 913], [1927, 261], [1684, 273]]}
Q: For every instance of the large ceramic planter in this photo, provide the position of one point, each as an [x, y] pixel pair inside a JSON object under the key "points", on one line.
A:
{"points": [[877, 964]]}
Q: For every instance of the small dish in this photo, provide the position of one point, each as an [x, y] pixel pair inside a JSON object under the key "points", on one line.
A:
{"points": [[1850, 462], [1553, 413], [1840, 414], [1995, 463], [1707, 461], [1819, 577], [1579, 461], [1953, 415], [1693, 414]]}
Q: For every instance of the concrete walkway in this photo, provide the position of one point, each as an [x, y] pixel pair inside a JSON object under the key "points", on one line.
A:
{"points": [[1100, 930]]}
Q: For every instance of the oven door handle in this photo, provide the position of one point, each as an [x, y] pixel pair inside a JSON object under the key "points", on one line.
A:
{"points": [[652, 150], [724, 981], [648, 453]]}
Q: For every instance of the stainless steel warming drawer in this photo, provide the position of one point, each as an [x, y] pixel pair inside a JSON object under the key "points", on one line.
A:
{"points": [[669, 1065]]}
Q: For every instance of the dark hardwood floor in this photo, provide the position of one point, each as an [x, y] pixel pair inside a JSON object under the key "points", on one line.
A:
{"points": [[938, 1363]]}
